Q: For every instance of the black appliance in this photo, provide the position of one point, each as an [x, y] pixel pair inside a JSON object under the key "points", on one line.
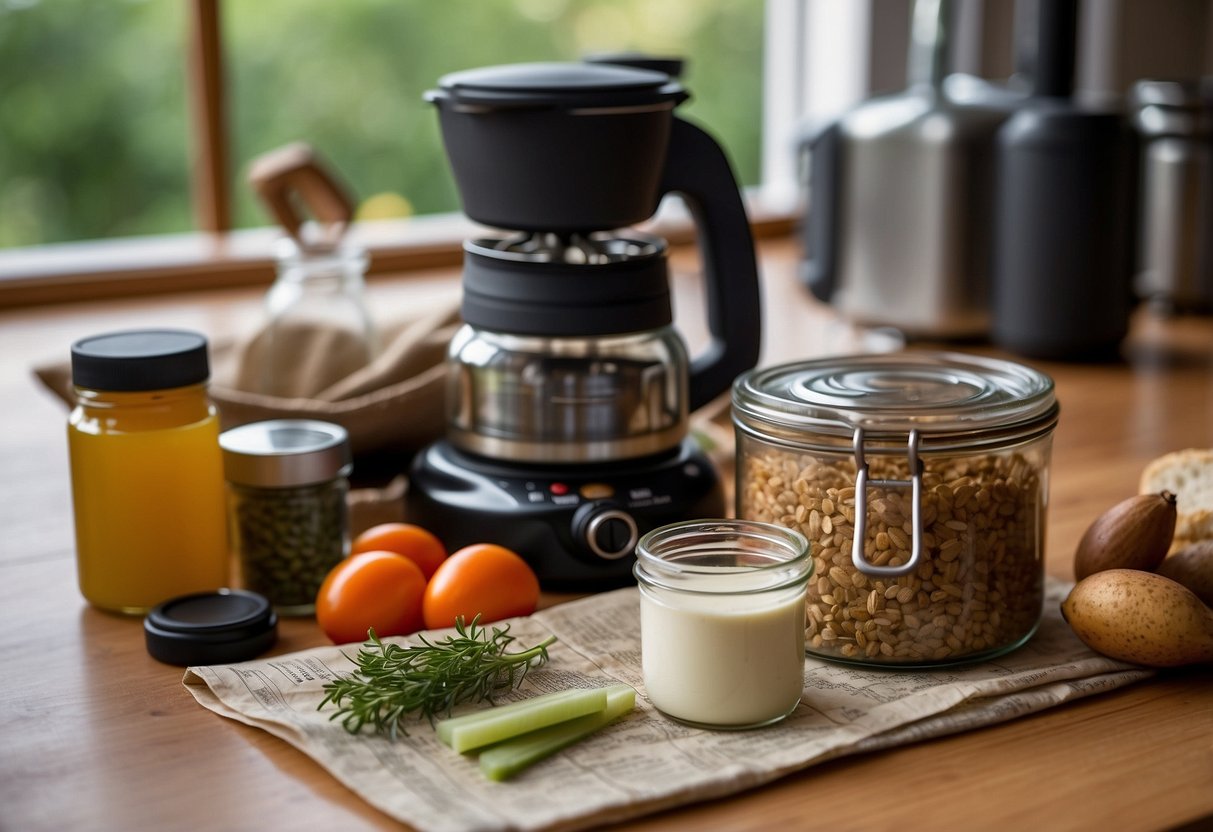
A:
{"points": [[568, 388]]}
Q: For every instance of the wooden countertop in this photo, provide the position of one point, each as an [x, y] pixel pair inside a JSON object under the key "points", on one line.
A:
{"points": [[94, 734]]}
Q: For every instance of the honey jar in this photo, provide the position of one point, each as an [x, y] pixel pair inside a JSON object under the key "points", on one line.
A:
{"points": [[147, 478]]}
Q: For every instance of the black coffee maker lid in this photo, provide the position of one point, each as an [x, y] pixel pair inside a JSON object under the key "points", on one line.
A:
{"points": [[559, 85]]}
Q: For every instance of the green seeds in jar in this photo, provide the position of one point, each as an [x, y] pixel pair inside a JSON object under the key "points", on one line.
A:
{"points": [[287, 539], [288, 521]]}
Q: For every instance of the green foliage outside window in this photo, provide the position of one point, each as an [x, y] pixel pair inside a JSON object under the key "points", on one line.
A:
{"points": [[94, 131]]}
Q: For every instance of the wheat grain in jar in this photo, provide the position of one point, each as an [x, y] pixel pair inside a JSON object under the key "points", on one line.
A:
{"points": [[921, 482]]}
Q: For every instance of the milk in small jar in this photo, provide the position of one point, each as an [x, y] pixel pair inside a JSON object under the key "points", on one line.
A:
{"points": [[722, 618]]}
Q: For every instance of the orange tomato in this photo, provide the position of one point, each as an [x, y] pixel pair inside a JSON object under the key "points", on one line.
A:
{"points": [[483, 579], [383, 590], [414, 542]]}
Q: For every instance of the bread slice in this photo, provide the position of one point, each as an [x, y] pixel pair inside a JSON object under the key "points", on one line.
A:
{"points": [[1188, 474]]}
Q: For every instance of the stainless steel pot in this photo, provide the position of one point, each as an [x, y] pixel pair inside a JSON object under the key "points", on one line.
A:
{"points": [[1174, 121], [900, 194]]}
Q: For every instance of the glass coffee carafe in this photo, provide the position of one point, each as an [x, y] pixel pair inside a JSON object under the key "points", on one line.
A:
{"points": [[568, 399]]}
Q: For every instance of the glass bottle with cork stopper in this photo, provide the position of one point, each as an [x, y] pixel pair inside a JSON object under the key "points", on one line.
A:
{"points": [[317, 328], [147, 476]]}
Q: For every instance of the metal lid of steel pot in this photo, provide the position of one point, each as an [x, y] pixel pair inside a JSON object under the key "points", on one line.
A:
{"points": [[952, 400], [282, 453], [1172, 108], [558, 85], [1188, 94]]}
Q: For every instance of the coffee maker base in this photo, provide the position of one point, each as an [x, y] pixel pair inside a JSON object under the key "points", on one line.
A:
{"points": [[576, 525]]}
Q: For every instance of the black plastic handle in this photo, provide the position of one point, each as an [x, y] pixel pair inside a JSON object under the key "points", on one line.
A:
{"points": [[697, 169], [1056, 42], [820, 270]]}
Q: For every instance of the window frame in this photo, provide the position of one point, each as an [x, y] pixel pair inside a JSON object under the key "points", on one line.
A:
{"points": [[866, 39], [218, 256]]}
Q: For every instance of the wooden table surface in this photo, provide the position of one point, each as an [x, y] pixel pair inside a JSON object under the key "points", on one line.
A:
{"points": [[94, 734]]}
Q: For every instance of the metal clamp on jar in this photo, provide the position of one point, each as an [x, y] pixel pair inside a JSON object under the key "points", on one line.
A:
{"points": [[921, 481]]}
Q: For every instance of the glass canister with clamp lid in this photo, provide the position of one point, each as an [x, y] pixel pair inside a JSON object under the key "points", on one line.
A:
{"points": [[921, 479]]}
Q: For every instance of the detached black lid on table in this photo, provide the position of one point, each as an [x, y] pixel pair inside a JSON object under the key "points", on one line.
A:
{"points": [[138, 360], [228, 625]]}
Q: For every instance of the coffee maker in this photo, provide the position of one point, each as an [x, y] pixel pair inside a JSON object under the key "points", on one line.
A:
{"points": [[568, 390]]}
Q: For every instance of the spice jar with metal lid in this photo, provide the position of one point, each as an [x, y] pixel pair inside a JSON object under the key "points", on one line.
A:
{"points": [[287, 484], [921, 482]]}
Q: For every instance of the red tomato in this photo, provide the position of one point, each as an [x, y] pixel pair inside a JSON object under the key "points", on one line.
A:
{"points": [[483, 579], [414, 542], [383, 590]]}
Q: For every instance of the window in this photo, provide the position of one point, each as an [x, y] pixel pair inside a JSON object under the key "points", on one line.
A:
{"points": [[101, 139], [127, 148], [92, 121], [349, 77], [95, 139]]}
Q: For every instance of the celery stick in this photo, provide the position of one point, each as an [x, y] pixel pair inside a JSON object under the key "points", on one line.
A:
{"points": [[507, 758], [446, 727], [539, 712]]}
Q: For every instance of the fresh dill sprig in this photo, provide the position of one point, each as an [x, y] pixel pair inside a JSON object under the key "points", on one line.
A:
{"points": [[428, 679]]}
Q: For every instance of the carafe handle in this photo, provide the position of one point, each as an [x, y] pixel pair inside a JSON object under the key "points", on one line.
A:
{"points": [[698, 170]]}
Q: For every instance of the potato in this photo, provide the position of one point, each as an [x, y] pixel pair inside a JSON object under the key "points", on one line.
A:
{"points": [[1192, 566], [1140, 617]]}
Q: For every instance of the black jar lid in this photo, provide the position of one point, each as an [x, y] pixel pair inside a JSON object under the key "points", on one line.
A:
{"points": [[558, 85], [138, 360], [228, 625]]}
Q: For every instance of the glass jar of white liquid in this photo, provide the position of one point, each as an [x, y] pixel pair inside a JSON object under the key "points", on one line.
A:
{"points": [[722, 618]]}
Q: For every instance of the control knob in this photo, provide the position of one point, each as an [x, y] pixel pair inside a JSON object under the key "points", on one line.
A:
{"points": [[606, 530]]}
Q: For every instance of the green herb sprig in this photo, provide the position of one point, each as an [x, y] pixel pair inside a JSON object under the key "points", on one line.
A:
{"points": [[428, 679]]}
